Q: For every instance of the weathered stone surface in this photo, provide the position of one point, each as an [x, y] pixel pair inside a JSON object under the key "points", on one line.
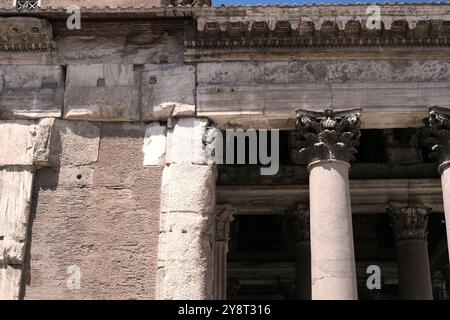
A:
{"points": [[142, 46], [9, 282], [11, 251], [16, 143], [392, 93], [102, 217], [107, 92], [186, 233], [15, 190], [168, 90], [75, 143], [324, 71], [30, 92], [155, 145], [90, 49], [25, 143], [25, 40], [186, 145]]}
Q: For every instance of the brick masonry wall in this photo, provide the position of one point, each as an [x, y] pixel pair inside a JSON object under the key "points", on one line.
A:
{"points": [[97, 208]]}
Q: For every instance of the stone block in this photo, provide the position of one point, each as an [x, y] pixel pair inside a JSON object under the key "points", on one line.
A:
{"points": [[186, 142], [31, 91], [187, 188], [25, 143], [101, 92], [75, 143], [155, 145], [168, 91], [16, 146]]}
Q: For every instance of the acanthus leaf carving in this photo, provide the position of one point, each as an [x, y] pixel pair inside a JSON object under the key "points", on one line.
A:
{"points": [[408, 220], [331, 135], [437, 135]]}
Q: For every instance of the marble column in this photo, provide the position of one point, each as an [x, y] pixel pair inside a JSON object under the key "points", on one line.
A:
{"points": [[299, 217], [438, 138], [327, 143], [224, 216], [409, 222]]}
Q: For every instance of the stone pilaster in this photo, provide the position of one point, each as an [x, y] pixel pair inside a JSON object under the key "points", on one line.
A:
{"points": [[224, 216], [409, 223], [24, 147], [437, 134], [327, 144], [187, 232], [299, 217]]}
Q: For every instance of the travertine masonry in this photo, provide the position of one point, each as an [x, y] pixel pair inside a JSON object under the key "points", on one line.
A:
{"points": [[23, 148], [168, 90], [101, 92], [31, 91], [186, 241], [187, 234], [97, 208]]}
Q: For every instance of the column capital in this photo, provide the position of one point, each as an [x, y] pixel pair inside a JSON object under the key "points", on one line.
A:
{"points": [[224, 216], [437, 135], [329, 135], [298, 214], [408, 220]]}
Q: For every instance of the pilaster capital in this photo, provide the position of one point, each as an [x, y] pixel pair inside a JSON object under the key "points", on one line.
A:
{"points": [[329, 135], [224, 216], [408, 220], [437, 135], [299, 217]]}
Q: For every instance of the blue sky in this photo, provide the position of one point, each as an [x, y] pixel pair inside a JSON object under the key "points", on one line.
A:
{"points": [[256, 2]]}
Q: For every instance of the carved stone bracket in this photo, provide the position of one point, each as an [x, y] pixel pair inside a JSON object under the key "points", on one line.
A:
{"points": [[25, 34], [332, 135], [224, 216], [299, 217], [408, 220], [437, 135]]}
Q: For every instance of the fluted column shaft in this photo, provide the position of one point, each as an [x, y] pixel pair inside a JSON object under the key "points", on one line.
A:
{"points": [[327, 142], [409, 222]]}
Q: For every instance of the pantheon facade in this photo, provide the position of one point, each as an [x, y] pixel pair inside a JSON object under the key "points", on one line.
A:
{"points": [[110, 110]]}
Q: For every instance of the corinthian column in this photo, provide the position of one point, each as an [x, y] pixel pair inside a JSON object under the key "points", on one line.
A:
{"points": [[299, 216], [409, 222], [327, 143], [438, 131], [224, 216]]}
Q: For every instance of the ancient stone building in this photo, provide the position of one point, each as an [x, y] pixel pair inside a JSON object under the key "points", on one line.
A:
{"points": [[108, 189]]}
